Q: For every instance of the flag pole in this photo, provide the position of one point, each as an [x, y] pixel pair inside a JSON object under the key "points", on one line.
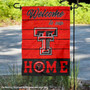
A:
{"points": [[74, 44]]}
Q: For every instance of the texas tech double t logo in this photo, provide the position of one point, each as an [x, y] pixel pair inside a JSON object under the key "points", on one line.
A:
{"points": [[45, 40], [45, 35]]}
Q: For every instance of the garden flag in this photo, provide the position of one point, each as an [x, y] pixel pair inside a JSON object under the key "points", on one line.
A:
{"points": [[45, 40]]}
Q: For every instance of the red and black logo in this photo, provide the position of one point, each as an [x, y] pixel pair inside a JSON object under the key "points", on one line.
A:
{"points": [[45, 35], [45, 41]]}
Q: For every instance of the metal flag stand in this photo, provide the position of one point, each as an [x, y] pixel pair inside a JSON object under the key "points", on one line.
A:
{"points": [[73, 40], [73, 34]]}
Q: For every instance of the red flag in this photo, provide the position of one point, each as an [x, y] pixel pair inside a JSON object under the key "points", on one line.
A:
{"points": [[45, 40]]}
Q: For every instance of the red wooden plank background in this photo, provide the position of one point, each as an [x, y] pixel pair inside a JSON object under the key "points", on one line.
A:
{"points": [[60, 46]]}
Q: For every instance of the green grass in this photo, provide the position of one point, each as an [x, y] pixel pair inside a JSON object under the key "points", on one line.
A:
{"points": [[15, 79], [10, 15]]}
